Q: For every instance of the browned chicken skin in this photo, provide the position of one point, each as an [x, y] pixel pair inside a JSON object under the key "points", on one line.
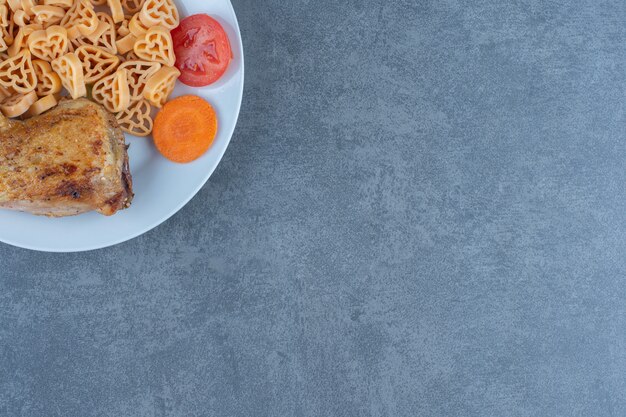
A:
{"points": [[68, 161]]}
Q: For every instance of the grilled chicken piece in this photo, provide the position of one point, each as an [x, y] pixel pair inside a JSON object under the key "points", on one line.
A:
{"points": [[68, 161]]}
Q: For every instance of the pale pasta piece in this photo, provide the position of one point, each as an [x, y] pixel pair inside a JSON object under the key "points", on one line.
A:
{"points": [[136, 27], [159, 13], [21, 39], [21, 18], [160, 86], [132, 6], [17, 104], [98, 2], [108, 39], [97, 62], [70, 71], [48, 81], [9, 30], [81, 19], [126, 44], [49, 44], [102, 28], [117, 13], [112, 92], [14, 5], [156, 45], [138, 74], [65, 4], [41, 106], [137, 119], [27, 6], [122, 27], [17, 73], [4, 15], [48, 15]]}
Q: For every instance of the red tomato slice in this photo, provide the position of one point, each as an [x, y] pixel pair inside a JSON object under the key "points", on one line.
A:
{"points": [[202, 50]]}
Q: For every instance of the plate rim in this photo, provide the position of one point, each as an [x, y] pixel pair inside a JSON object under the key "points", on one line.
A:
{"points": [[184, 202]]}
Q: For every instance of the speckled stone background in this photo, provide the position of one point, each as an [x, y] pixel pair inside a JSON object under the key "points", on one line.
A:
{"points": [[422, 213]]}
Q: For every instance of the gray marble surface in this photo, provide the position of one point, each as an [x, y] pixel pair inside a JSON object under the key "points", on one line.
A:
{"points": [[422, 213]]}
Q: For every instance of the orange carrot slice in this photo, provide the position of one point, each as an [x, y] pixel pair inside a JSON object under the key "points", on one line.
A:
{"points": [[185, 129]]}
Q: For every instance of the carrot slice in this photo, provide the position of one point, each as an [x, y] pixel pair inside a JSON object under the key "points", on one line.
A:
{"points": [[185, 129]]}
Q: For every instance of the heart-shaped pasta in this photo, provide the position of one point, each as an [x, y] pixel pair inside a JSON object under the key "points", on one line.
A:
{"points": [[21, 39], [136, 119], [70, 70], [104, 37], [132, 6], [108, 39], [81, 19], [41, 106], [112, 92], [17, 73], [48, 44], [48, 81], [159, 87], [159, 13], [156, 45], [139, 72], [97, 62], [48, 15], [17, 104]]}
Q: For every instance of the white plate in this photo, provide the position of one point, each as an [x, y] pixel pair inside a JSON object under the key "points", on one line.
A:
{"points": [[162, 188]]}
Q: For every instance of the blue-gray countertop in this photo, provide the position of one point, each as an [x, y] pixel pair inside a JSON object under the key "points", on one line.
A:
{"points": [[422, 213]]}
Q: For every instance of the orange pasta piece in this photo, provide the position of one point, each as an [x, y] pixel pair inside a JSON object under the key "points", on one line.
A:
{"points": [[139, 72], [112, 92], [160, 86], [70, 70], [81, 19], [97, 63], [117, 13], [49, 44], [48, 81], [132, 6], [136, 120], [48, 15], [17, 73], [21, 40], [156, 45], [41, 106], [159, 13], [17, 104]]}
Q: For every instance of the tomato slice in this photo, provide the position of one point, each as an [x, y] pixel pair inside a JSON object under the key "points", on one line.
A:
{"points": [[202, 50]]}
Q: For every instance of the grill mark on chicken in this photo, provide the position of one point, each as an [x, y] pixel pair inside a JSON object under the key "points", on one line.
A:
{"points": [[70, 160]]}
